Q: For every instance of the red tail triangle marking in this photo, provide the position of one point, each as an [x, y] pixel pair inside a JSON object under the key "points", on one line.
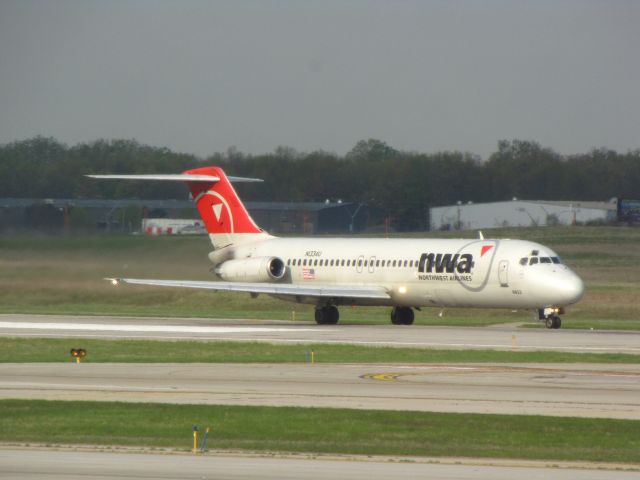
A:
{"points": [[485, 249], [217, 211]]}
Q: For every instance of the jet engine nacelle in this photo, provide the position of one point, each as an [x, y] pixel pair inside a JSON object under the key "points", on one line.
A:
{"points": [[259, 269]]}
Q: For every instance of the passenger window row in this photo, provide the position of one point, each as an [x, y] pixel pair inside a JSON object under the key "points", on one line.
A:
{"points": [[325, 262]]}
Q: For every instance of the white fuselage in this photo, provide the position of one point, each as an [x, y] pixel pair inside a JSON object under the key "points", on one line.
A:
{"points": [[428, 272]]}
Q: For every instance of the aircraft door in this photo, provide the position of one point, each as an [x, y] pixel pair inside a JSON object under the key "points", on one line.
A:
{"points": [[503, 273], [372, 261]]}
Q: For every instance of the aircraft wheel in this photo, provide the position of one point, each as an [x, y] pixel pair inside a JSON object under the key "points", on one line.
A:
{"points": [[553, 322], [402, 316], [332, 315], [394, 316], [320, 316], [328, 315], [407, 316]]}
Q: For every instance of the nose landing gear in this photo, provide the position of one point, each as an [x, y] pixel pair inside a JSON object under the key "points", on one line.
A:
{"points": [[550, 317], [553, 322]]}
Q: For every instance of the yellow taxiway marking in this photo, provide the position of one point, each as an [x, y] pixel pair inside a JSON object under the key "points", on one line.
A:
{"points": [[385, 377], [540, 372]]}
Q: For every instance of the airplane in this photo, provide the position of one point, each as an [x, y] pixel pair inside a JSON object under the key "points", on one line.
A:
{"points": [[405, 274]]}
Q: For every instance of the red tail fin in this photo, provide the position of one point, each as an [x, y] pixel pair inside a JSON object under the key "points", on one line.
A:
{"points": [[219, 205]]}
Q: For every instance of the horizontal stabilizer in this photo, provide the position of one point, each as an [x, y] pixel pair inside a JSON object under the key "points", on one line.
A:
{"points": [[178, 177], [316, 290], [225, 217]]}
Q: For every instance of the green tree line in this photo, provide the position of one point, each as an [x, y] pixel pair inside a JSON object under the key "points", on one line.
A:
{"points": [[401, 184]]}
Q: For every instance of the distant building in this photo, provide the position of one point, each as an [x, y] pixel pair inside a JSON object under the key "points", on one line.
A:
{"points": [[629, 211], [519, 213], [55, 214], [126, 215], [173, 226], [310, 217]]}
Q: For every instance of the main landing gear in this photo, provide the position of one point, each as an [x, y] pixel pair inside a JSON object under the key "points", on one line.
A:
{"points": [[550, 317], [327, 315], [402, 316]]}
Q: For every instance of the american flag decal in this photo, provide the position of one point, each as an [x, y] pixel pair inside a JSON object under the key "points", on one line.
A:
{"points": [[308, 274]]}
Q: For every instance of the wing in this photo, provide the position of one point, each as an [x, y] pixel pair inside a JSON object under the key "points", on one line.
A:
{"points": [[316, 290]]}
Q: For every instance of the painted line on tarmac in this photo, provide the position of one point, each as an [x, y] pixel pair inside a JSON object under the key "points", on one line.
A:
{"points": [[81, 387], [493, 369], [194, 330], [105, 327]]}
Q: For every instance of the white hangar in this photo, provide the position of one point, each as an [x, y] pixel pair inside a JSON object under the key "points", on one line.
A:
{"points": [[520, 213]]}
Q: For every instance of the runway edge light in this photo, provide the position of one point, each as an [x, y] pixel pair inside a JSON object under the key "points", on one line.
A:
{"points": [[195, 439], [204, 440], [78, 354], [310, 356]]}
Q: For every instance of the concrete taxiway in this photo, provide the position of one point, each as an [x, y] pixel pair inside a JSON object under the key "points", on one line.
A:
{"points": [[504, 338], [562, 390], [31, 464]]}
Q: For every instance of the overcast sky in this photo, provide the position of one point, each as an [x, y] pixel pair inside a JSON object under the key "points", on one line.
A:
{"points": [[201, 76]]}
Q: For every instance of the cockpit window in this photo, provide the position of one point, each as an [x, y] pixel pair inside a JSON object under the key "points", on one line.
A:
{"points": [[534, 260]]}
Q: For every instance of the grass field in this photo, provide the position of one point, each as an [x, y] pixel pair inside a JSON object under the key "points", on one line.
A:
{"points": [[21, 350], [47, 274], [322, 430]]}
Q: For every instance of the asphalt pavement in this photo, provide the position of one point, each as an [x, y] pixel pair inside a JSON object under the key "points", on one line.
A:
{"points": [[577, 390], [32, 464]]}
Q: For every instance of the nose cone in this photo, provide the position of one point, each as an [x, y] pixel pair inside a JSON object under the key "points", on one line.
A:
{"points": [[559, 288], [569, 289]]}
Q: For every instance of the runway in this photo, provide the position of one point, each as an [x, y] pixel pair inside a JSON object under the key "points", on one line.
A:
{"points": [[501, 338], [559, 390], [31, 464]]}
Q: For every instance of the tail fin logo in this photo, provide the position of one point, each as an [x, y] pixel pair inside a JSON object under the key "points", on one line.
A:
{"points": [[217, 210], [219, 204], [219, 207]]}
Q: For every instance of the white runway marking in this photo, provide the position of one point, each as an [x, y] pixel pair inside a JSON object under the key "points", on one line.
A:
{"points": [[247, 330], [102, 327], [373, 343]]}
